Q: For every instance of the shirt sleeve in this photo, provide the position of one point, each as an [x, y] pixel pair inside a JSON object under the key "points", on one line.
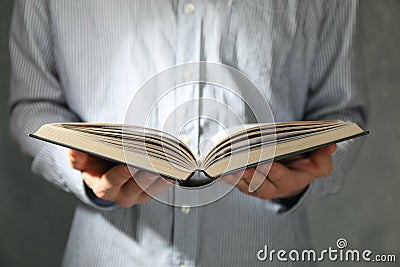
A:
{"points": [[336, 90], [36, 96]]}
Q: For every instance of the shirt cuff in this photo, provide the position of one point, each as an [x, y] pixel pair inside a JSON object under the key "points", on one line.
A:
{"points": [[52, 163], [290, 202], [290, 205], [98, 201]]}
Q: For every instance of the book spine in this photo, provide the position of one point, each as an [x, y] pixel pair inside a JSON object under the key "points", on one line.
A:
{"points": [[197, 179]]}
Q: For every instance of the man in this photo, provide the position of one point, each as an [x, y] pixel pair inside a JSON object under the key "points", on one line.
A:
{"points": [[83, 60]]}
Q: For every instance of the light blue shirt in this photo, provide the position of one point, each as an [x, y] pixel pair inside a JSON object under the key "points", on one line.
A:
{"points": [[75, 60]]}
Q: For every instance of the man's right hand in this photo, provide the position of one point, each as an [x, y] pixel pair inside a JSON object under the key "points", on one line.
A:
{"points": [[114, 182]]}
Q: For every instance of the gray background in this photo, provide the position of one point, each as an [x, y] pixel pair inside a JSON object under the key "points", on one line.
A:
{"points": [[35, 216]]}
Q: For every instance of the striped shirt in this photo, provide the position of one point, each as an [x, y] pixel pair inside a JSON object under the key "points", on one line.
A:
{"points": [[75, 60]]}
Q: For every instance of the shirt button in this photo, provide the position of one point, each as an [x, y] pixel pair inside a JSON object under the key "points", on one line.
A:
{"points": [[190, 8], [185, 209], [187, 75], [186, 139]]}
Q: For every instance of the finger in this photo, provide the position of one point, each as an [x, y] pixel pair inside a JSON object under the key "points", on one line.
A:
{"points": [[243, 186], [267, 190], [301, 165], [246, 177], [97, 165], [128, 194], [132, 189], [264, 168], [278, 173], [255, 181], [288, 182], [260, 185], [330, 149], [248, 173], [118, 175], [157, 187], [131, 193], [229, 179], [111, 182], [76, 158], [75, 153], [298, 177], [258, 179], [90, 180], [233, 178], [84, 162], [322, 160], [145, 179], [298, 163], [262, 171]]}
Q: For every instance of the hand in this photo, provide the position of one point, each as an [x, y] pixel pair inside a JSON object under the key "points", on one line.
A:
{"points": [[114, 182], [279, 180]]}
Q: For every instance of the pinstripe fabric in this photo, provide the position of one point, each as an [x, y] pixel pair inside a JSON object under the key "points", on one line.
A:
{"points": [[75, 60]]}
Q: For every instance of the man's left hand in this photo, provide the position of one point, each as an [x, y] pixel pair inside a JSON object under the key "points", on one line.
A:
{"points": [[278, 180]]}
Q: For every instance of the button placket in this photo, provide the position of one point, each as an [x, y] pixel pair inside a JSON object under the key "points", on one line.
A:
{"points": [[185, 232]]}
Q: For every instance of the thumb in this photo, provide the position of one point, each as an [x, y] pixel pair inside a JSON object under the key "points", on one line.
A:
{"points": [[328, 150]]}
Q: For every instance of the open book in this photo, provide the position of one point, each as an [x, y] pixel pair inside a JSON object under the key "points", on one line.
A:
{"points": [[164, 154]]}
